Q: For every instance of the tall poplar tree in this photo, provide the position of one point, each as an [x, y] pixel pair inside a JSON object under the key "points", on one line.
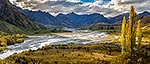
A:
{"points": [[129, 32], [139, 34], [123, 34]]}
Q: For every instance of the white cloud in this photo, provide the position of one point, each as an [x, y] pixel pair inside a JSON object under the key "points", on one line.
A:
{"points": [[112, 8], [116, 2]]}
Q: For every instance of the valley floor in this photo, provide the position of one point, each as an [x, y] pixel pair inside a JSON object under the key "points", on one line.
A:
{"points": [[72, 54]]}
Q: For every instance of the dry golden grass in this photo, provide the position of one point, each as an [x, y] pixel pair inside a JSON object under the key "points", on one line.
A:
{"points": [[95, 53]]}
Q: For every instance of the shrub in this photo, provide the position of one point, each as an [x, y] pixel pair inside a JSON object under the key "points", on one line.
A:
{"points": [[10, 40], [18, 36], [2, 49], [24, 36], [3, 42], [19, 40]]}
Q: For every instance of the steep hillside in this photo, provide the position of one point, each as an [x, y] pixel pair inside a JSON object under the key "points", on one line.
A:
{"points": [[146, 25], [6, 27], [13, 16], [145, 20], [43, 18]]}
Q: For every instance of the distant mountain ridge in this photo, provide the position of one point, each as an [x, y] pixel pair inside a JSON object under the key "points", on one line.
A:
{"points": [[73, 20], [144, 17], [120, 17], [70, 20], [81, 20]]}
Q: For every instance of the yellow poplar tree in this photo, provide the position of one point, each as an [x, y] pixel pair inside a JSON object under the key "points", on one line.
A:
{"points": [[123, 34], [139, 34], [131, 30], [134, 30]]}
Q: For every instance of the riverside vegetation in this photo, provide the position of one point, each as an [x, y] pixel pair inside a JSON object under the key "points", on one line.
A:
{"points": [[7, 39], [128, 51]]}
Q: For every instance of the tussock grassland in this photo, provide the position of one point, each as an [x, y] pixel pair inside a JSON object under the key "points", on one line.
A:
{"points": [[75, 54]]}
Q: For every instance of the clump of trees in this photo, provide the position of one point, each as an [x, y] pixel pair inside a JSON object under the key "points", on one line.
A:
{"points": [[131, 34], [130, 30], [6, 39]]}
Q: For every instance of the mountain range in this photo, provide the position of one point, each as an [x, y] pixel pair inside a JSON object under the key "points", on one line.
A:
{"points": [[73, 20], [15, 19], [82, 20], [119, 17], [144, 17]]}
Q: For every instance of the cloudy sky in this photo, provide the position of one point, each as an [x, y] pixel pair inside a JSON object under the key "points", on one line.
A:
{"points": [[108, 8]]}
